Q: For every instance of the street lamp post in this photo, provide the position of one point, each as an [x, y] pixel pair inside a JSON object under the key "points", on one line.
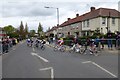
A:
{"points": [[108, 24], [57, 13]]}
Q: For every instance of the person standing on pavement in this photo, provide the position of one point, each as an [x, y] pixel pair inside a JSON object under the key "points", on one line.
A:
{"points": [[118, 40], [109, 37], [102, 42]]}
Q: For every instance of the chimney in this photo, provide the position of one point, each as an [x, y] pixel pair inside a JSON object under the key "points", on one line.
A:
{"points": [[92, 8], [68, 19], [77, 15]]}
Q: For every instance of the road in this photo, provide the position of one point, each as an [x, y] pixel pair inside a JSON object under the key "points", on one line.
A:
{"points": [[27, 62]]}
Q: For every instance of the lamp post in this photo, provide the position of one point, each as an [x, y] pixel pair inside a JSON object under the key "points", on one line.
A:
{"points": [[57, 13], [108, 22]]}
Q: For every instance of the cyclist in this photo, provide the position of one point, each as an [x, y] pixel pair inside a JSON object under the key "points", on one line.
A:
{"points": [[60, 43], [42, 44], [28, 42], [36, 43]]}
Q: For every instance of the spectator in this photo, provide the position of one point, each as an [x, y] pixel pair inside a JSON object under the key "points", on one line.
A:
{"points": [[102, 42], [109, 37], [118, 40], [13, 41]]}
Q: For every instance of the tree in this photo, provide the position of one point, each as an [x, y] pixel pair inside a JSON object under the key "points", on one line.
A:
{"points": [[40, 29], [32, 33], [26, 30], [21, 31], [48, 28], [9, 29]]}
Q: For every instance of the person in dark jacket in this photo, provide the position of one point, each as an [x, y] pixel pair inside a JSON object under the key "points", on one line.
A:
{"points": [[109, 37], [118, 40]]}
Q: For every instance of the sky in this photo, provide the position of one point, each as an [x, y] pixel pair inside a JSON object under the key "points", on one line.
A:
{"points": [[12, 12]]}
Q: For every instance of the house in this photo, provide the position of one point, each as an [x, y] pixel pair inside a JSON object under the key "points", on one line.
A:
{"points": [[102, 20], [52, 32]]}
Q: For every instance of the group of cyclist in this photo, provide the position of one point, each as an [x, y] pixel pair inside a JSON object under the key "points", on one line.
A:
{"points": [[35, 43]]}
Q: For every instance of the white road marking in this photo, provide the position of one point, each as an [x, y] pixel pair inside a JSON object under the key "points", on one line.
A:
{"points": [[104, 69], [87, 62], [33, 49], [14, 48], [52, 71], [100, 68], [45, 60]]}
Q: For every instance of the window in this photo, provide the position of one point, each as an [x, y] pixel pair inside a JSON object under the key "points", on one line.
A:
{"points": [[87, 23], [103, 21], [83, 23], [113, 21]]}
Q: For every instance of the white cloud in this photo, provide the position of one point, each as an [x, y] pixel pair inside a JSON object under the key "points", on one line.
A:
{"points": [[33, 11]]}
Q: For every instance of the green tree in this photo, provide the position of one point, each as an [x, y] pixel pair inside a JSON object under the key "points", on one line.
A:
{"points": [[9, 29], [21, 30], [26, 30], [40, 30], [32, 33]]}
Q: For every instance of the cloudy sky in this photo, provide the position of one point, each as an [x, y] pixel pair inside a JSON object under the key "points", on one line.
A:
{"points": [[12, 12]]}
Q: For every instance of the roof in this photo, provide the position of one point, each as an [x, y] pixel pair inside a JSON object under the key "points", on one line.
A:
{"points": [[104, 12], [53, 28]]}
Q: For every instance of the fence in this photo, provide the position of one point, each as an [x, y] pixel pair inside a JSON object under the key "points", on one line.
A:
{"points": [[82, 41]]}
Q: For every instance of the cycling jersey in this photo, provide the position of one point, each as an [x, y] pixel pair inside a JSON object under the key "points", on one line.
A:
{"points": [[60, 42]]}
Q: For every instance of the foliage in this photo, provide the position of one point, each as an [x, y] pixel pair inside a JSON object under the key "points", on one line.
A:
{"points": [[9, 29], [26, 29], [40, 30], [32, 33], [21, 30]]}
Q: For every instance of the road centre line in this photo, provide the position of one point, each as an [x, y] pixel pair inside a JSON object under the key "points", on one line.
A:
{"points": [[35, 54], [100, 68], [52, 71]]}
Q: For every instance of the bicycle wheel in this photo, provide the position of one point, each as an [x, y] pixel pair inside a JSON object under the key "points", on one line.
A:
{"points": [[43, 47], [55, 48], [71, 51], [95, 52], [82, 50], [63, 48]]}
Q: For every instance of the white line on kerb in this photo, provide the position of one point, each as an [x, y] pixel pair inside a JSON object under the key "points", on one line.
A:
{"points": [[52, 71], [45, 60], [100, 68]]}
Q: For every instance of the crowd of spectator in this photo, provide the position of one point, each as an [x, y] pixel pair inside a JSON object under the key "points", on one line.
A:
{"points": [[8, 43]]}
